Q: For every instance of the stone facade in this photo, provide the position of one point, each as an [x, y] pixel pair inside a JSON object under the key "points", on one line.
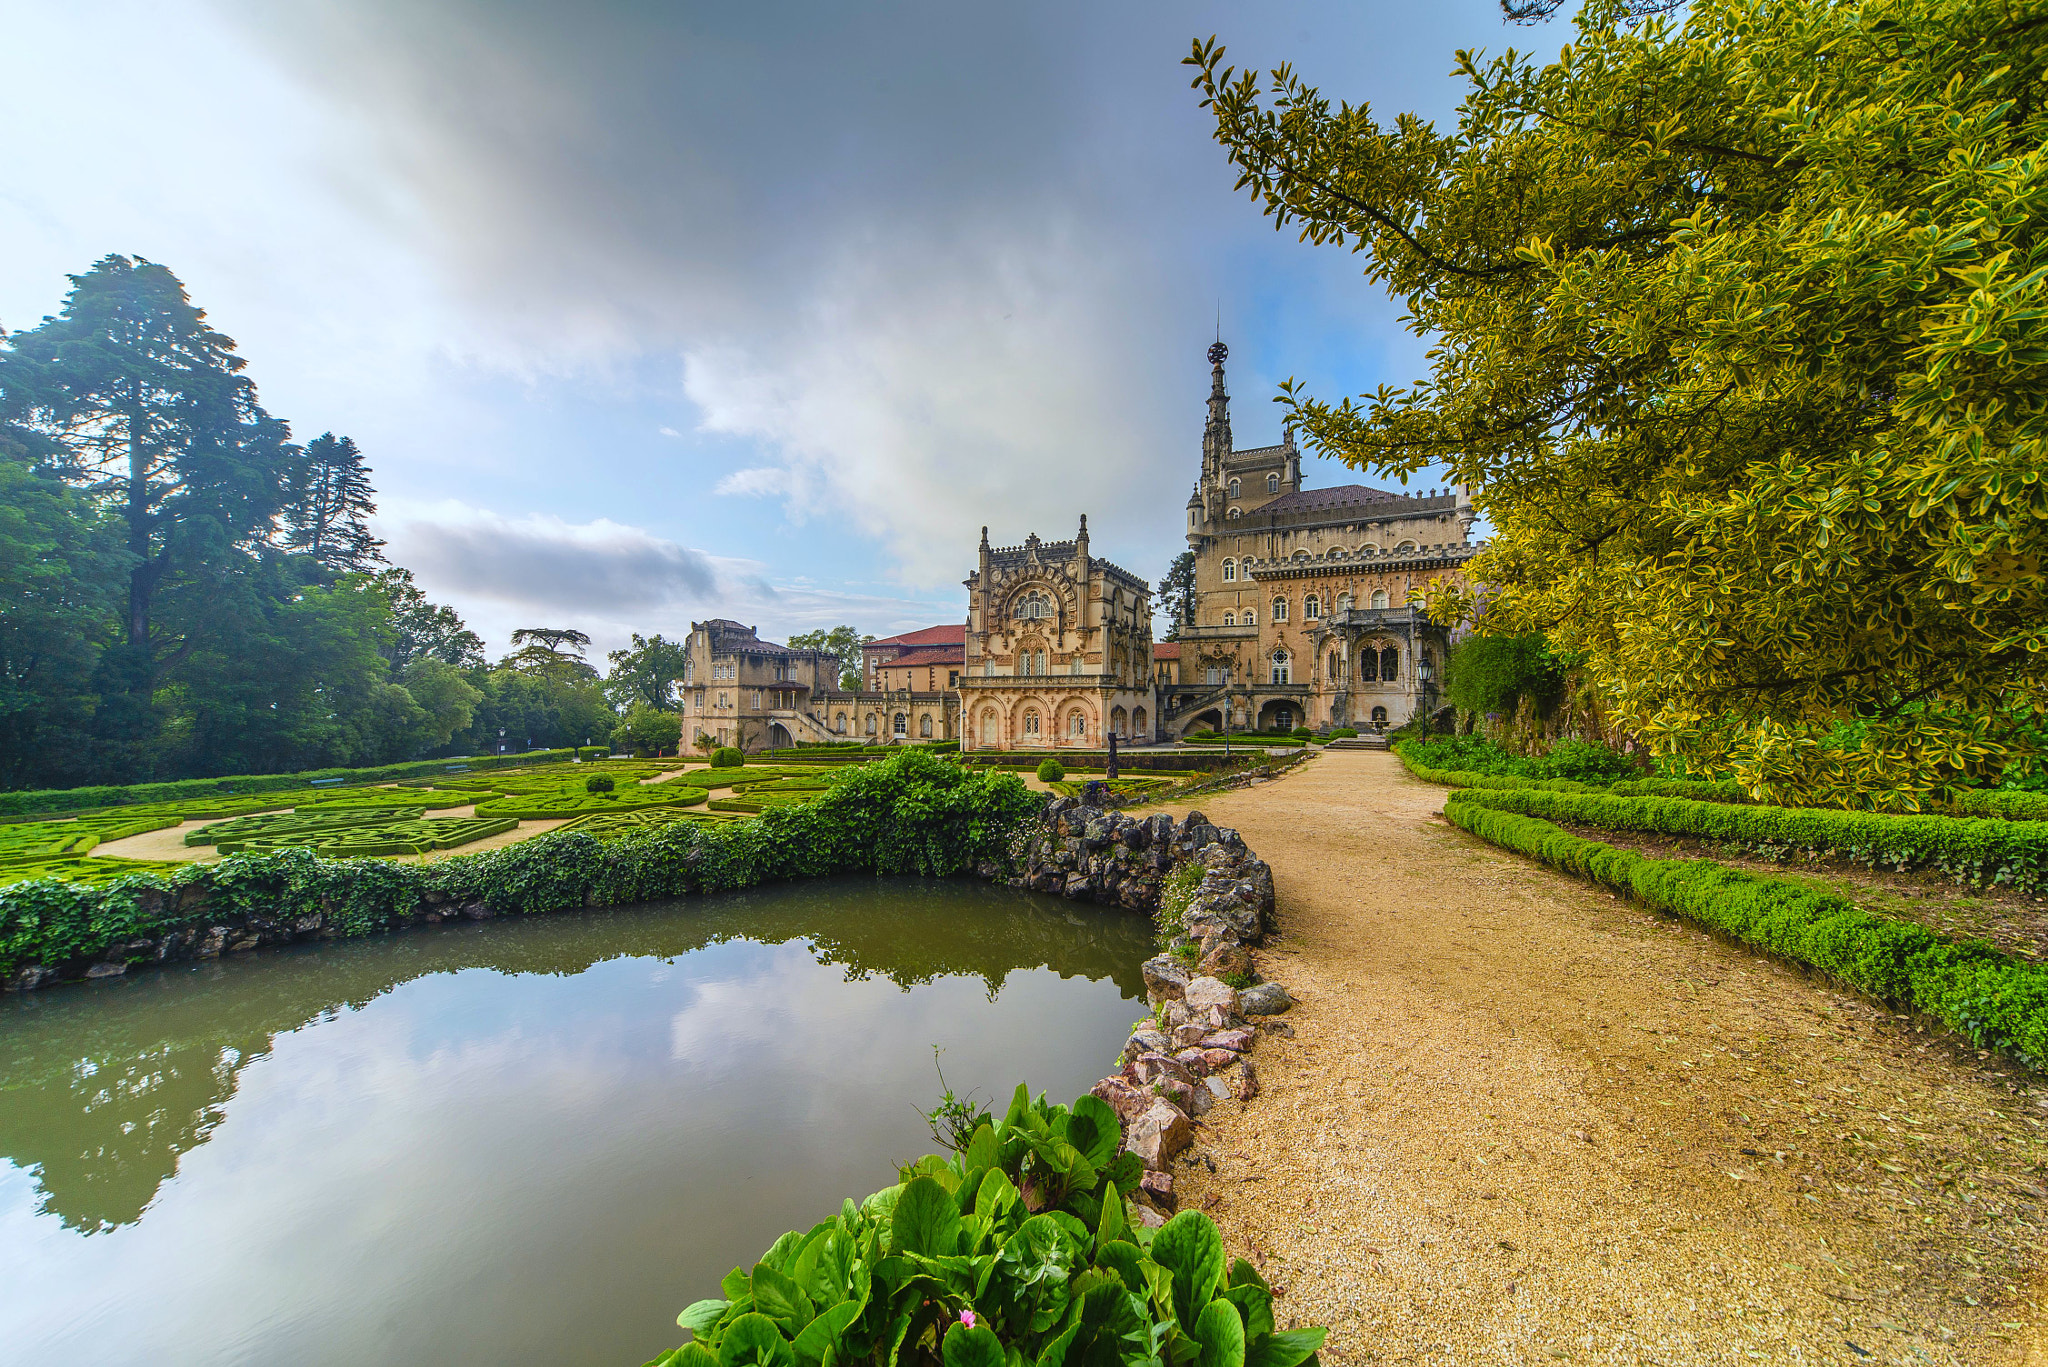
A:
{"points": [[738, 689], [1302, 595], [1058, 649]]}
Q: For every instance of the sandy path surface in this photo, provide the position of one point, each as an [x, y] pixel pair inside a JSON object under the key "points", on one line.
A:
{"points": [[1523, 1121], [168, 843]]}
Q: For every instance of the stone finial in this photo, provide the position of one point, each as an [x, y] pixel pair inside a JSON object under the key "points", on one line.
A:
{"points": [[984, 538]]}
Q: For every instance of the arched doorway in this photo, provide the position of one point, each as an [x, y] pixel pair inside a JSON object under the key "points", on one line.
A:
{"points": [[1141, 726], [1279, 716], [778, 736], [1120, 722], [1212, 720]]}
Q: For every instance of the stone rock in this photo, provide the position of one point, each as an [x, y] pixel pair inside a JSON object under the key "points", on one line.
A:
{"points": [[1203, 992], [1146, 1040], [477, 911], [308, 923], [1077, 886], [1099, 832], [212, 942], [1237, 1041], [1277, 1027], [246, 942], [1159, 1186], [1216, 1060], [1165, 978], [1187, 1036], [1160, 1133], [1267, 999], [1218, 1088], [1126, 1099], [1146, 1216], [106, 970], [1227, 958], [1147, 1069], [1193, 1061], [28, 978], [1247, 1081]]}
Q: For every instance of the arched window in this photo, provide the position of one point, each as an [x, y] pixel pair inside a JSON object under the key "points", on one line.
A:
{"points": [[1272, 484], [1282, 665], [1368, 665], [1032, 605], [1390, 663], [1077, 724], [1279, 609], [871, 723], [1251, 618], [1236, 488], [1140, 724], [1379, 598], [1311, 608], [1368, 549], [1301, 555], [839, 723], [1344, 602], [901, 725], [1031, 723], [1230, 571], [1230, 619], [1404, 547], [1234, 514], [924, 726], [1336, 666]]}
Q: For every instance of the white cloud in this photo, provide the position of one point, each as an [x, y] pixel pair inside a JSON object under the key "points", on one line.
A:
{"points": [[760, 481]]}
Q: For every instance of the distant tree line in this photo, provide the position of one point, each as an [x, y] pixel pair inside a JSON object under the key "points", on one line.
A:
{"points": [[185, 590]]}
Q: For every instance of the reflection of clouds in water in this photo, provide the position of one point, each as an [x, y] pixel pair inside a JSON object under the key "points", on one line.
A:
{"points": [[532, 1168]]}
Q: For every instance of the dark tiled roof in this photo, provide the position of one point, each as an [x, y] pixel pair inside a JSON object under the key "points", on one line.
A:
{"points": [[952, 633], [1321, 500]]}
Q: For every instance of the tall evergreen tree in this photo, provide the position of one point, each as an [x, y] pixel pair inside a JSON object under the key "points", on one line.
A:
{"points": [[328, 503], [151, 413], [424, 630], [1177, 595]]}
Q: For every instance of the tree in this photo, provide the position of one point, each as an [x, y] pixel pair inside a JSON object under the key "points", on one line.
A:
{"points": [[327, 503], [842, 641], [645, 730], [1739, 326], [148, 406], [422, 630], [646, 673], [1177, 595], [447, 700], [551, 639]]}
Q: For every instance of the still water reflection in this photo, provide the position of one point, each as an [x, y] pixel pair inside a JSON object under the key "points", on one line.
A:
{"points": [[521, 1142]]}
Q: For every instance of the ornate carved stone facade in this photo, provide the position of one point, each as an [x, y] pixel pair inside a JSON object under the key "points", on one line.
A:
{"points": [[1059, 649], [1302, 595]]}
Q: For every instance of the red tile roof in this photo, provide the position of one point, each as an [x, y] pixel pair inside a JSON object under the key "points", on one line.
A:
{"points": [[1166, 650], [951, 634], [942, 656]]}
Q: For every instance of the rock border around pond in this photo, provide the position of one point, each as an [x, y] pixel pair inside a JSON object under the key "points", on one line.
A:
{"points": [[1197, 1050]]}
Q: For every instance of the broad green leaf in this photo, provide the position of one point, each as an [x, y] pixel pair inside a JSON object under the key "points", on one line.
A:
{"points": [[824, 1266], [1221, 1333], [734, 1284], [777, 1296], [1123, 1259], [1020, 1106], [1189, 1247], [926, 1220], [783, 1250], [974, 1346], [1287, 1349], [754, 1339], [998, 1196], [701, 1315], [824, 1331], [1093, 1129], [1110, 1228], [1054, 1354], [981, 1149]]}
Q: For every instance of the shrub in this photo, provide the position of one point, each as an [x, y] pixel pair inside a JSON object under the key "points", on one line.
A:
{"points": [[1014, 1249], [1051, 771], [1302, 733], [1991, 999], [1494, 673], [598, 783], [726, 757], [1344, 733], [1588, 761]]}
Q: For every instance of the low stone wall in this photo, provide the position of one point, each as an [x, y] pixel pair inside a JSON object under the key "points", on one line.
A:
{"points": [[1196, 1052]]}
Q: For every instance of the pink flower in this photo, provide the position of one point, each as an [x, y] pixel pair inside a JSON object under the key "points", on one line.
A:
{"points": [[967, 1318]]}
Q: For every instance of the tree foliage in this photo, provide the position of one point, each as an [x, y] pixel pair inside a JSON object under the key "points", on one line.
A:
{"points": [[1739, 325], [1177, 595], [424, 630], [328, 502], [647, 673], [646, 730], [842, 641]]}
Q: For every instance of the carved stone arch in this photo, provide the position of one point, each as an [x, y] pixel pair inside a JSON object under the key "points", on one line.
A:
{"points": [[1057, 587]]}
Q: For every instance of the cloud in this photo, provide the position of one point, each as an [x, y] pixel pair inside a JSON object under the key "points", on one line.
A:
{"points": [[668, 432], [757, 481]]}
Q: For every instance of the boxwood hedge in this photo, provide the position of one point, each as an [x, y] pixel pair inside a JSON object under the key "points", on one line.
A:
{"points": [[1990, 998]]}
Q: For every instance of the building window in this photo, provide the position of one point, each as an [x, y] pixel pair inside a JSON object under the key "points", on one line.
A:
{"points": [[952, 678], [1343, 602], [1368, 549], [1235, 513], [757, 700], [1311, 608], [1279, 609], [1077, 725], [1405, 546], [1140, 724], [871, 724], [1390, 663], [1368, 665], [901, 725], [1212, 675], [1032, 605], [1283, 719], [1236, 491], [1282, 666], [1272, 484], [1230, 571], [1251, 618], [1230, 619], [1336, 667], [924, 726], [1030, 723], [1379, 598]]}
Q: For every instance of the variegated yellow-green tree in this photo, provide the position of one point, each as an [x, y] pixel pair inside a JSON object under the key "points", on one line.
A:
{"points": [[1739, 328]]}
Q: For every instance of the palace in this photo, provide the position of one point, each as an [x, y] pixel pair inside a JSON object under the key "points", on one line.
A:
{"points": [[1302, 616]]}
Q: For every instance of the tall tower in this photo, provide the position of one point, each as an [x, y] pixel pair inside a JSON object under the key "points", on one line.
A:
{"points": [[1216, 436]]}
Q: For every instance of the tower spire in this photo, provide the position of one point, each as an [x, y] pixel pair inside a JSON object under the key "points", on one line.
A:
{"points": [[1216, 436]]}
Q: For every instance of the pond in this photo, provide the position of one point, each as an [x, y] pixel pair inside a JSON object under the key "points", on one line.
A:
{"points": [[524, 1141]]}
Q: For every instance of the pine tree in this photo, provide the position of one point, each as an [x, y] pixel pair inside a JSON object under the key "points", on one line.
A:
{"points": [[328, 503], [1177, 595]]}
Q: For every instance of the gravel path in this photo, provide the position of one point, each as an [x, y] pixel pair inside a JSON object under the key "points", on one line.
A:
{"points": [[1523, 1121]]}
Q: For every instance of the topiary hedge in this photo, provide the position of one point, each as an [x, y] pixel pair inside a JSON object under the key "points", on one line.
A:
{"points": [[727, 757], [1967, 849], [910, 814], [1407, 751], [575, 802], [1990, 998], [1051, 771], [1017, 1249]]}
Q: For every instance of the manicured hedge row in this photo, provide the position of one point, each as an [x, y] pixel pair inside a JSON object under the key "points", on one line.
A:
{"points": [[2005, 806], [80, 799], [1992, 999], [909, 814], [1465, 778], [1967, 849], [1698, 789]]}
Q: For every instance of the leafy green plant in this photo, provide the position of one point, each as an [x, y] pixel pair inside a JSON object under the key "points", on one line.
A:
{"points": [[1017, 1248], [728, 757], [1051, 771], [598, 783], [954, 1120]]}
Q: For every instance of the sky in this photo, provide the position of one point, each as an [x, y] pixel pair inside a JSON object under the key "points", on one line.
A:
{"points": [[647, 313]]}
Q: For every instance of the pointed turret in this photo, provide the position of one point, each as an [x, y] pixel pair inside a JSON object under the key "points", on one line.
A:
{"points": [[1216, 436]]}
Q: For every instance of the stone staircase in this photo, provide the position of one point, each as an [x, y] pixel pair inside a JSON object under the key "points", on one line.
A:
{"points": [[1369, 741]]}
